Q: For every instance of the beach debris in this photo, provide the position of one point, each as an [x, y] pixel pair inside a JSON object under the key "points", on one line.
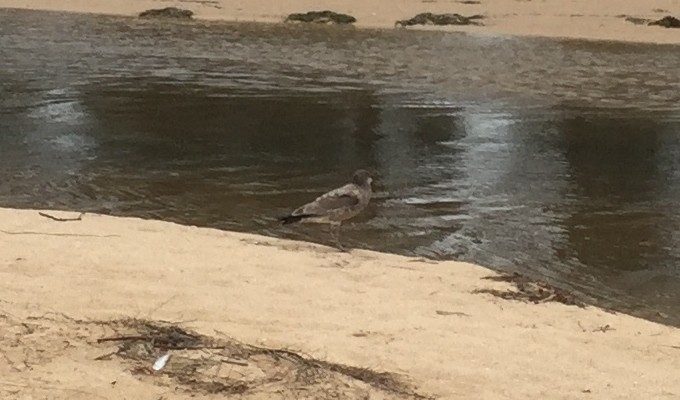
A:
{"points": [[667, 22], [637, 20], [197, 365], [235, 361], [423, 260], [53, 218], [456, 313], [321, 17], [160, 362], [167, 12], [529, 290], [604, 329], [583, 329], [429, 18]]}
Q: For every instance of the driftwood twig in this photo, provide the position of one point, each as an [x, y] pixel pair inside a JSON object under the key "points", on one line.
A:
{"points": [[604, 329], [158, 342], [106, 356], [53, 218], [457, 313], [236, 361], [122, 338]]}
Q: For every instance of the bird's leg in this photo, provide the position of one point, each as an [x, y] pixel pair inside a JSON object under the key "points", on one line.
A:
{"points": [[335, 234]]}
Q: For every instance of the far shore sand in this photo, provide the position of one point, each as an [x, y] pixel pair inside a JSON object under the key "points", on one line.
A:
{"points": [[419, 319], [582, 19]]}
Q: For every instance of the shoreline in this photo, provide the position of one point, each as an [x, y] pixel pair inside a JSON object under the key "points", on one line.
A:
{"points": [[580, 19], [423, 320]]}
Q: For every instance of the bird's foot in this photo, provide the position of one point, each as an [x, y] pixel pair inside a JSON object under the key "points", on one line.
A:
{"points": [[341, 248]]}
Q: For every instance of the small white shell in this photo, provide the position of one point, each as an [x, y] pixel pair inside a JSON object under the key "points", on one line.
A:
{"points": [[161, 361]]}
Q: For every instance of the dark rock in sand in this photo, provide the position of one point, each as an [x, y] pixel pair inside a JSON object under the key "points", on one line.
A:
{"points": [[321, 17], [667, 22], [168, 12], [440, 19]]}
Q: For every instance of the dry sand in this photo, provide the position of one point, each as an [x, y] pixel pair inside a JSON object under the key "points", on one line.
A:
{"points": [[587, 19], [419, 320]]}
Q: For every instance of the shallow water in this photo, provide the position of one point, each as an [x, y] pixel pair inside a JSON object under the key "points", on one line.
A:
{"points": [[559, 159]]}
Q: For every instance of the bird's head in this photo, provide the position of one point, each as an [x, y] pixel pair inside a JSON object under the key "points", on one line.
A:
{"points": [[362, 178]]}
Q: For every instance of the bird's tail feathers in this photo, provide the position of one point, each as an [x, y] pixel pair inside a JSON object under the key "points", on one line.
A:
{"points": [[291, 219]]}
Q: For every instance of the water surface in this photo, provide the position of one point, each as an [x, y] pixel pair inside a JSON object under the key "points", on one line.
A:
{"points": [[559, 159]]}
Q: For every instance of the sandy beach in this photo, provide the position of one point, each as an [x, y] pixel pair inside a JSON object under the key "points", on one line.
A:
{"points": [[583, 19], [66, 284], [88, 302]]}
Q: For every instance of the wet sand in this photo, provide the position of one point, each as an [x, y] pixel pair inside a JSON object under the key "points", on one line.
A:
{"points": [[418, 319], [583, 19]]}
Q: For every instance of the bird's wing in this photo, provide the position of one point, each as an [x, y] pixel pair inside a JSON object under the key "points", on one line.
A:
{"points": [[344, 197]]}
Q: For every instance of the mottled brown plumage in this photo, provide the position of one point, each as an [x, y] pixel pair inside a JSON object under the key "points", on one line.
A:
{"points": [[336, 206]]}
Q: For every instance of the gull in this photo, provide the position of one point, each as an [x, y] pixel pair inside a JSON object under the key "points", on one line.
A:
{"points": [[335, 206]]}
